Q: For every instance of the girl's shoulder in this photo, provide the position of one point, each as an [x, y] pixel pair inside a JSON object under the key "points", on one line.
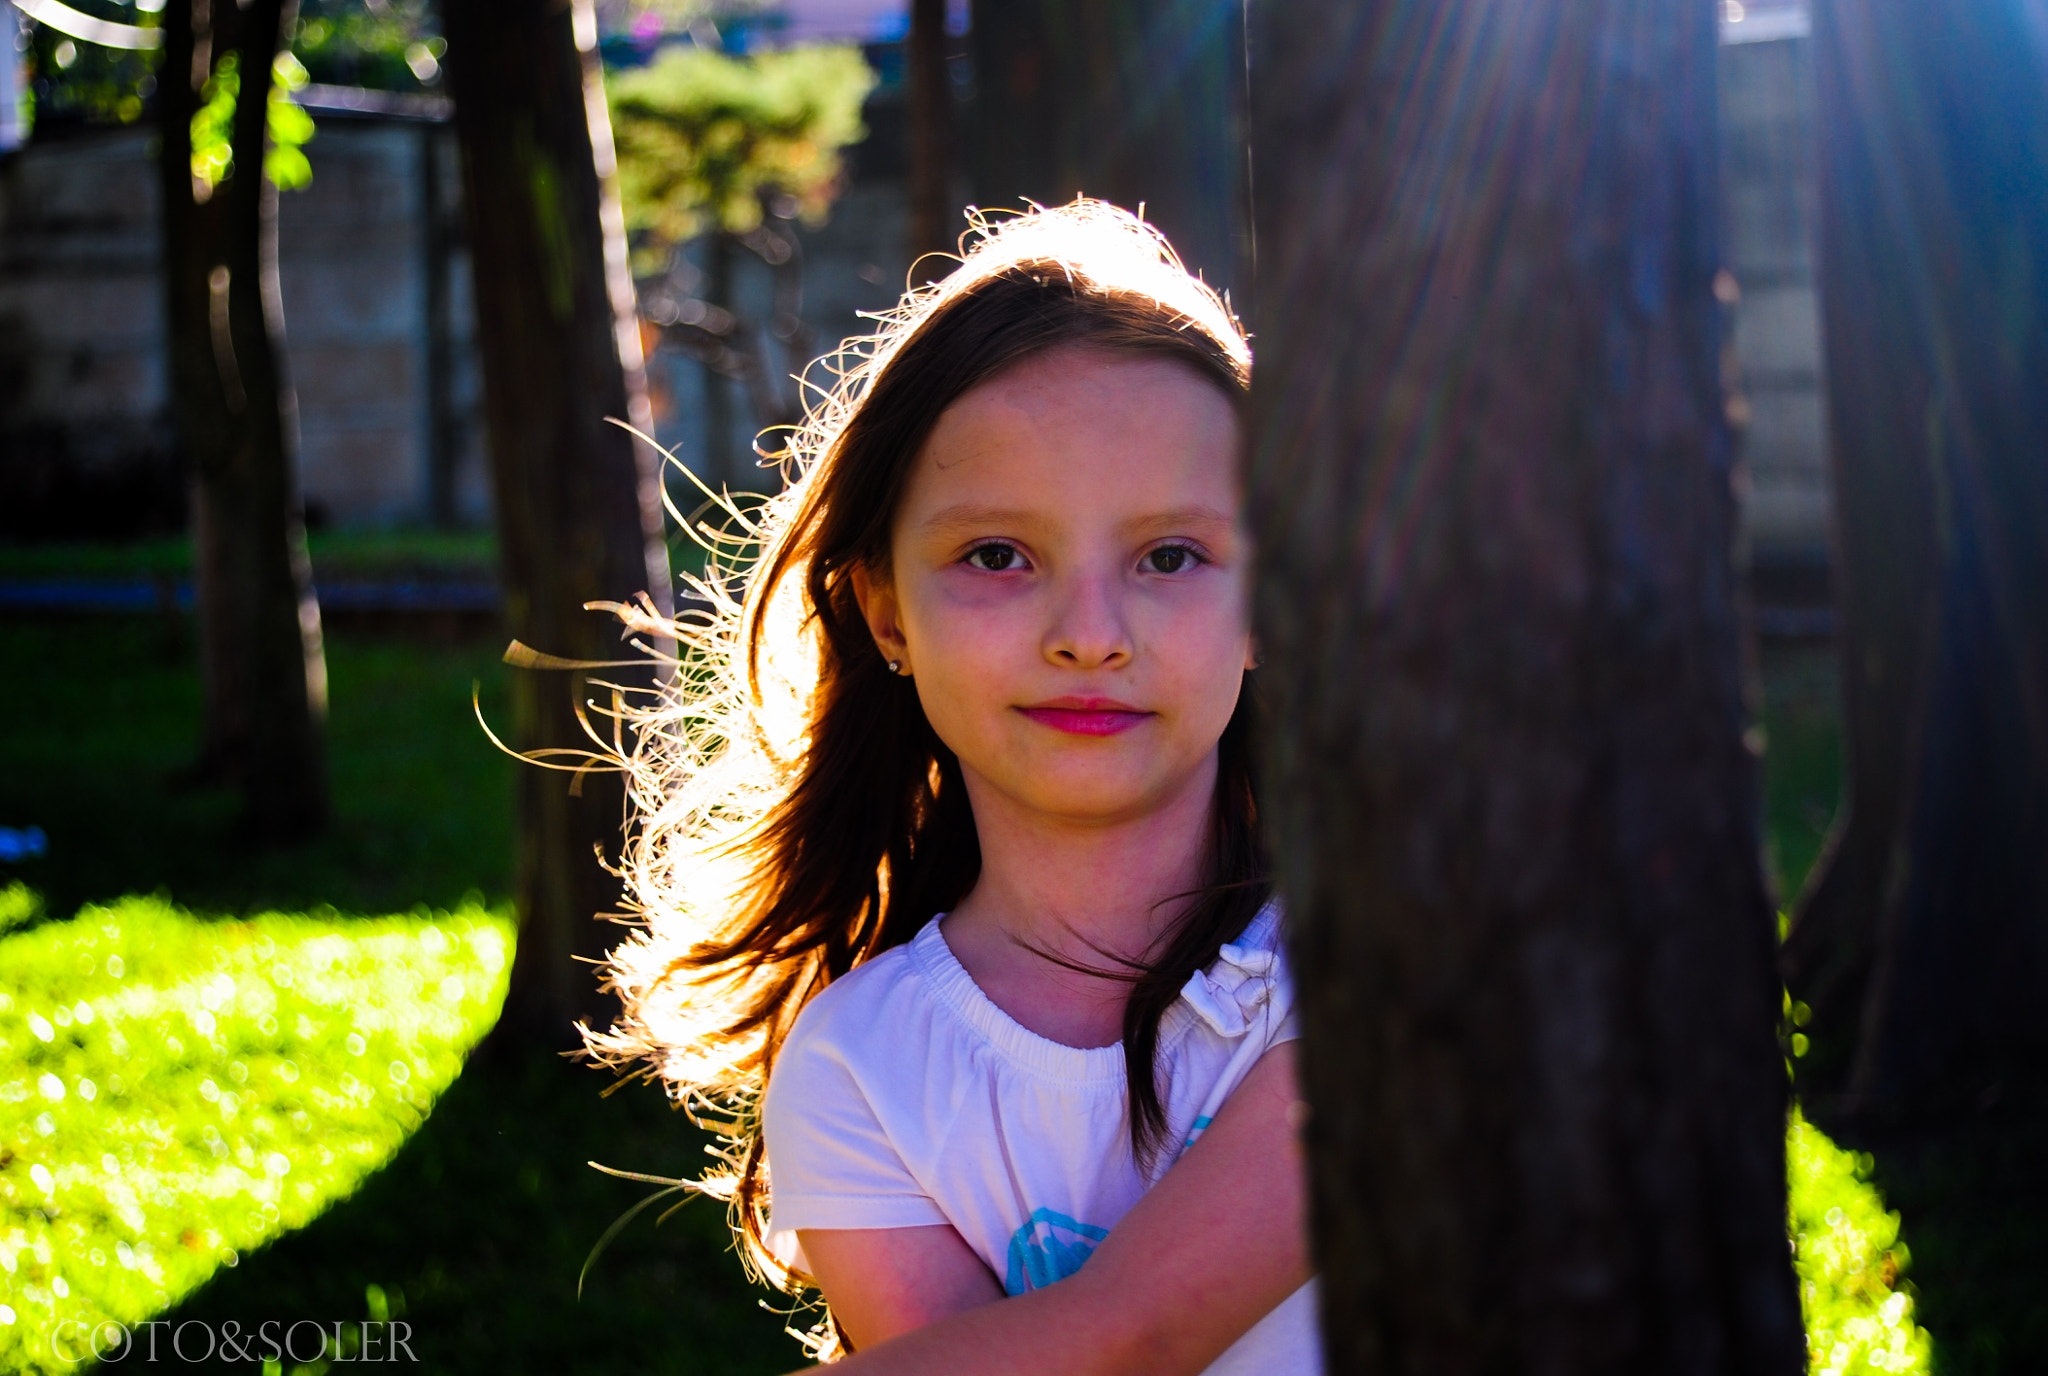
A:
{"points": [[1263, 932], [1247, 986], [862, 1004]]}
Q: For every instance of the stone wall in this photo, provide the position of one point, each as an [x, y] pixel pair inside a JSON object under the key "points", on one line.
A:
{"points": [[1767, 244], [86, 441], [87, 445]]}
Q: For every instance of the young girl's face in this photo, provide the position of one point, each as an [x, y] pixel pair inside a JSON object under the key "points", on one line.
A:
{"points": [[1068, 583]]}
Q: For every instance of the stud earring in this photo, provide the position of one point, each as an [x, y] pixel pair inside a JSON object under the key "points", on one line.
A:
{"points": [[895, 666]]}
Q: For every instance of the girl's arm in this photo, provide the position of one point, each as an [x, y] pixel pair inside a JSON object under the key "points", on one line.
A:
{"points": [[882, 1282], [1211, 1249]]}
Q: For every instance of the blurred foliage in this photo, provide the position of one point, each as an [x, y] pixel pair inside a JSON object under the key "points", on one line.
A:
{"points": [[213, 125], [71, 80], [386, 45], [703, 137], [179, 1091], [1849, 1257], [20, 905]]}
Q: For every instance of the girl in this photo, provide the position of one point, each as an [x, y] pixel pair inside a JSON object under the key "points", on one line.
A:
{"points": [[955, 904]]}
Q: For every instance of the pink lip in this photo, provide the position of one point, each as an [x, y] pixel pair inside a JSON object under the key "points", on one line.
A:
{"points": [[1079, 716]]}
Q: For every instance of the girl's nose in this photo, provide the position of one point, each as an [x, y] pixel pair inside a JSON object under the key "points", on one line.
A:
{"points": [[1088, 629]]}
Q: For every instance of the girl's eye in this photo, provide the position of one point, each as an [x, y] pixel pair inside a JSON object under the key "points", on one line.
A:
{"points": [[1169, 559], [995, 558]]}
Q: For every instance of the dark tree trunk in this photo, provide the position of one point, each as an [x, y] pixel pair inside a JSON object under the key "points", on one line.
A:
{"points": [[935, 223], [1129, 100], [438, 242], [262, 663], [720, 454], [578, 501], [1516, 822], [1922, 944]]}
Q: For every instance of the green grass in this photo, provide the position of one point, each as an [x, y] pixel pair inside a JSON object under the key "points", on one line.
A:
{"points": [[460, 1204], [252, 1119], [336, 553], [98, 716], [179, 1092], [475, 1226], [1848, 1256], [1802, 725]]}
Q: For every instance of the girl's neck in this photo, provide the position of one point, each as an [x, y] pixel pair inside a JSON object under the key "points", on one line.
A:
{"points": [[1088, 893]]}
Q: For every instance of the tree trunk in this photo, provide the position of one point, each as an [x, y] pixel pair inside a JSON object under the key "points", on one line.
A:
{"points": [[1922, 945], [935, 223], [721, 466], [578, 500], [1515, 817], [261, 657], [1134, 101]]}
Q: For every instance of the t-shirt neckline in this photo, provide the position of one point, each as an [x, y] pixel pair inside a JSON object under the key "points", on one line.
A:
{"points": [[957, 991]]}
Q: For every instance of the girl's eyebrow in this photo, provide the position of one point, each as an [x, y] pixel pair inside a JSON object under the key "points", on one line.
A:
{"points": [[1201, 518], [970, 516]]}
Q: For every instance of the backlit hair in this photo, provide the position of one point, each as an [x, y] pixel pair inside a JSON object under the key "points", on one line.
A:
{"points": [[793, 814]]}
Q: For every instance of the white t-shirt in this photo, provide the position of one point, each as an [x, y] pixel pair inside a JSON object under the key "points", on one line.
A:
{"points": [[904, 1097]]}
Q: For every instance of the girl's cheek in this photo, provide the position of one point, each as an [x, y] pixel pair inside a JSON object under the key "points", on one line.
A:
{"points": [[964, 589], [969, 617]]}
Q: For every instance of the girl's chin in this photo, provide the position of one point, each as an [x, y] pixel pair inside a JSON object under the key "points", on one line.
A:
{"points": [[1088, 798]]}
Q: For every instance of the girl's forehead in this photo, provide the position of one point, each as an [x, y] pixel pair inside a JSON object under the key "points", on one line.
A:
{"points": [[1087, 423], [1070, 376]]}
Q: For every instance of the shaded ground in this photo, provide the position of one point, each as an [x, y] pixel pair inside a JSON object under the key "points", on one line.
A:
{"points": [[98, 715], [475, 1233]]}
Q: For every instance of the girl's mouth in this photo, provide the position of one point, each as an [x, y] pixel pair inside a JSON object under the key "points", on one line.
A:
{"points": [[1086, 716]]}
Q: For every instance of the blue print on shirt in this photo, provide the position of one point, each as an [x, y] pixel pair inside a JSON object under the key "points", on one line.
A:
{"points": [[1049, 1247]]}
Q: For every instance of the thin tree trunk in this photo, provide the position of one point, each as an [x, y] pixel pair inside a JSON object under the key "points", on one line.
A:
{"points": [[1922, 946], [262, 662], [935, 225], [578, 501], [721, 465], [437, 249], [1134, 101], [1516, 821]]}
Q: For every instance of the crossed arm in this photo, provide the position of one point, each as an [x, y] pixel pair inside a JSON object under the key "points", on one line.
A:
{"points": [[1218, 1243]]}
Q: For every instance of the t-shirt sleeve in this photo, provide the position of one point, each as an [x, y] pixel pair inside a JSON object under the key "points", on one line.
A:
{"points": [[831, 1163]]}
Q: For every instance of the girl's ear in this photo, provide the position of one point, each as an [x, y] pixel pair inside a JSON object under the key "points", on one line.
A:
{"points": [[876, 594]]}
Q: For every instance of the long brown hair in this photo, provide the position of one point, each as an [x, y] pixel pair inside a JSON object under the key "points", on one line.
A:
{"points": [[794, 813]]}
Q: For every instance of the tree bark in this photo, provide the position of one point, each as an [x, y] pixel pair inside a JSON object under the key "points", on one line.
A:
{"points": [[578, 500], [1516, 821], [1922, 945], [1133, 101], [262, 660], [720, 461]]}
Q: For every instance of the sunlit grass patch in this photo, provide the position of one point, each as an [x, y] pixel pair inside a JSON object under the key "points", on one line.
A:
{"points": [[175, 1091], [1849, 1256]]}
